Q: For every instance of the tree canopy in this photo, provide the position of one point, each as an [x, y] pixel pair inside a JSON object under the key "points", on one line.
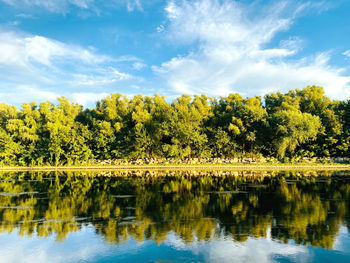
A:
{"points": [[302, 123]]}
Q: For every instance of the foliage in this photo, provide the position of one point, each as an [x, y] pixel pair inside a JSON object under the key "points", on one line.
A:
{"points": [[296, 124]]}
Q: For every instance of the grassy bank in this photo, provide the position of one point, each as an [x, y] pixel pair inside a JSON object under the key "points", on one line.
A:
{"points": [[262, 166]]}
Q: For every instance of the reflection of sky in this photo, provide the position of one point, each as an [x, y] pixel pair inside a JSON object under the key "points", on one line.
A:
{"points": [[87, 246]]}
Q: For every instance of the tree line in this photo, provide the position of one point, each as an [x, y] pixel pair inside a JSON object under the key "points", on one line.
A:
{"points": [[304, 123]]}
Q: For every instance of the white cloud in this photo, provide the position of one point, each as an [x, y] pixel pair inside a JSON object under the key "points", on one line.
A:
{"points": [[14, 23], [35, 68], [66, 6], [160, 28], [139, 65], [61, 6], [347, 53], [21, 50], [226, 22], [230, 53], [88, 97], [132, 5], [108, 76], [16, 94], [127, 58], [25, 16]]}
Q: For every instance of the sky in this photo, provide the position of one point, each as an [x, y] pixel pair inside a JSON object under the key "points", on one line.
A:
{"points": [[87, 49]]}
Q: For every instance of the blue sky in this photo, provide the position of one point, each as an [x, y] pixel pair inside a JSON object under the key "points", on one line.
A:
{"points": [[86, 49]]}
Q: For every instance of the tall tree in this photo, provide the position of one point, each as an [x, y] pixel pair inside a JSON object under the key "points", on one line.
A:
{"points": [[293, 128]]}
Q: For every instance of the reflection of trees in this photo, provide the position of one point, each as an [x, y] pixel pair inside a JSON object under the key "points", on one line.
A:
{"points": [[148, 205]]}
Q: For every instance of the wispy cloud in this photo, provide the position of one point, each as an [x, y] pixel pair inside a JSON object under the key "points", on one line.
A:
{"points": [[86, 98], [107, 76], [25, 50], [233, 52], [17, 93], [39, 68], [134, 5], [66, 6], [139, 65], [347, 53], [26, 16]]}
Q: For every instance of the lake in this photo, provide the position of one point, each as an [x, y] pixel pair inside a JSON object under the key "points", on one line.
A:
{"points": [[175, 216]]}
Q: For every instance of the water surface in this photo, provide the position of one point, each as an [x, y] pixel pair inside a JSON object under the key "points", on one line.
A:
{"points": [[177, 216]]}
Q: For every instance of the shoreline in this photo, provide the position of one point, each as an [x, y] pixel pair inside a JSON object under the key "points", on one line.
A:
{"points": [[182, 167]]}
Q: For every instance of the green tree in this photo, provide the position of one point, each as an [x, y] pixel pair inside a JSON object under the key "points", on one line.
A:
{"points": [[188, 138], [293, 128], [328, 141]]}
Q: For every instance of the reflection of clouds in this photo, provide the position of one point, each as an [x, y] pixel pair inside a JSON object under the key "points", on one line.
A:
{"points": [[35, 249], [82, 246], [87, 246], [252, 250], [342, 241]]}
